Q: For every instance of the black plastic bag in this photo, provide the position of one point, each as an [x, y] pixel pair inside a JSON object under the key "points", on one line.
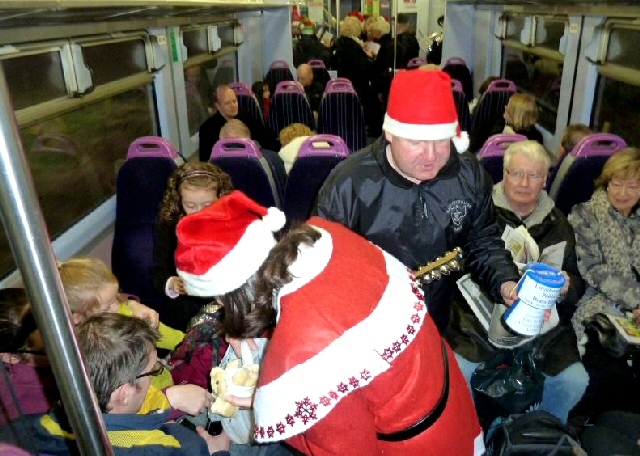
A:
{"points": [[506, 384]]}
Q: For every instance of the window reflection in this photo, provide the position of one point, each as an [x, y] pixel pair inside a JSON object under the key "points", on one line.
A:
{"points": [[617, 109], [74, 159], [34, 79], [539, 76]]}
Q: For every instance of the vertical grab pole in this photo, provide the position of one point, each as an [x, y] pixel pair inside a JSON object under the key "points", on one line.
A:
{"points": [[25, 228]]}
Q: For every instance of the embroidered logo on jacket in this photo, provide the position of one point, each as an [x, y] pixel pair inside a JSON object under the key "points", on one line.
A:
{"points": [[457, 209]]}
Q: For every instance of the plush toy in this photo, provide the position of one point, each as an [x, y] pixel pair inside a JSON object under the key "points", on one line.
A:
{"points": [[234, 380]]}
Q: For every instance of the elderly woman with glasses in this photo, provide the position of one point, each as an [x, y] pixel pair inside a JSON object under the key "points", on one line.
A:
{"points": [[607, 231]]}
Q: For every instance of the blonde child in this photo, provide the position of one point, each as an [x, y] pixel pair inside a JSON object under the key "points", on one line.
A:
{"points": [[91, 288]]}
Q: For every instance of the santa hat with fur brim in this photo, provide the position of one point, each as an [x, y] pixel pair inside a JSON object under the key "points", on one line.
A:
{"points": [[222, 246], [421, 107]]}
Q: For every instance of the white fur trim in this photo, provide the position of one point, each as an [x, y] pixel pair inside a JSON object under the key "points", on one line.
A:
{"points": [[282, 406], [461, 142], [275, 219], [236, 267], [418, 132], [478, 445]]}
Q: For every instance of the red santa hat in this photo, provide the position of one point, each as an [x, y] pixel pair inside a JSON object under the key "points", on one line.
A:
{"points": [[223, 245], [421, 107]]}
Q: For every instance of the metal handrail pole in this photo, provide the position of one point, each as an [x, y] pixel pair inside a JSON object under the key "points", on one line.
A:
{"points": [[26, 231]]}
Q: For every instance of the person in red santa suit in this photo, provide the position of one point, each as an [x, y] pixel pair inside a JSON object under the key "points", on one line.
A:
{"points": [[355, 365]]}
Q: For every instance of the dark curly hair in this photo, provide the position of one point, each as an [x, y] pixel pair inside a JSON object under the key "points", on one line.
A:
{"points": [[249, 311], [192, 174]]}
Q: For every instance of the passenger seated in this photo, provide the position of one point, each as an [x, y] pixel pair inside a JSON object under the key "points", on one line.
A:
{"points": [[291, 138], [190, 188], [235, 129], [121, 361], [520, 116], [607, 231], [261, 91], [24, 361], [312, 88], [520, 200], [483, 88], [226, 104], [571, 136]]}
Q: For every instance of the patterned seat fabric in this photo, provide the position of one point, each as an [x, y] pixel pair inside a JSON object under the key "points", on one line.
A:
{"points": [[341, 114], [249, 170], [278, 71], [457, 68], [490, 108], [141, 183], [573, 182], [290, 105], [462, 105], [247, 101], [320, 73], [317, 157]]}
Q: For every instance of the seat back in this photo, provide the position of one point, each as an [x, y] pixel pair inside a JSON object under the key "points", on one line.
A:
{"points": [[457, 68], [247, 101], [320, 72], [341, 114], [491, 105], [290, 105], [317, 157], [415, 62], [462, 105], [574, 181], [140, 185], [278, 71], [491, 155], [249, 170]]}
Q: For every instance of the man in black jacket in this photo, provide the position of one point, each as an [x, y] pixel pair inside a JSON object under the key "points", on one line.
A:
{"points": [[226, 104], [408, 194]]}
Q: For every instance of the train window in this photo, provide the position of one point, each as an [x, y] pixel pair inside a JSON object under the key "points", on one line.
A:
{"points": [[549, 32], [618, 94], [515, 26], [43, 71], [101, 58], [196, 42], [74, 158]]}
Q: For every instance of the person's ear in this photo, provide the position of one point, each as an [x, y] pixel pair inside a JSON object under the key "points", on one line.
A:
{"points": [[120, 397], [388, 136]]}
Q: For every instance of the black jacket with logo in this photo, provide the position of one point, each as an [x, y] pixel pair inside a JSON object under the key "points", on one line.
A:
{"points": [[418, 223]]}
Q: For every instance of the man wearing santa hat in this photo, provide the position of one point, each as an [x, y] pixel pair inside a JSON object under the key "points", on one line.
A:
{"points": [[355, 365], [409, 194]]}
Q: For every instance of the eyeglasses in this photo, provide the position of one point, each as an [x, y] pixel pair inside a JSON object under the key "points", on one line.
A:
{"points": [[158, 368], [519, 175], [617, 187]]}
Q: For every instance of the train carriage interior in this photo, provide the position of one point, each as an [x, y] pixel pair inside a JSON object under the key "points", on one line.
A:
{"points": [[83, 80]]}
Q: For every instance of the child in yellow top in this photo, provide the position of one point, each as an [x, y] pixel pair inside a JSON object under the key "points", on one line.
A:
{"points": [[91, 288]]}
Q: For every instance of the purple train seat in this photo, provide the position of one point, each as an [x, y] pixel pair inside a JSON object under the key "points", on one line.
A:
{"points": [[242, 159], [462, 105], [247, 101], [457, 68], [140, 185], [415, 62], [573, 182], [320, 72], [278, 71], [290, 105], [490, 108], [492, 153], [341, 114], [318, 155]]}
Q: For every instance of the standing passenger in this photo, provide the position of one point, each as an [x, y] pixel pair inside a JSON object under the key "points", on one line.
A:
{"points": [[355, 365], [411, 196]]}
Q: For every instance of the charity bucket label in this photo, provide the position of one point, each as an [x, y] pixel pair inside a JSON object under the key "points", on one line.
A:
{"points": [[538, 290]]}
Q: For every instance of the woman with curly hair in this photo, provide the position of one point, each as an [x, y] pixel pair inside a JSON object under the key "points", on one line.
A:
{"points": [[191, 188]]}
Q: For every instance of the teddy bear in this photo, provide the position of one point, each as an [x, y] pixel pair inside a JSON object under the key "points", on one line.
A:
{"points": [[235, 380]]}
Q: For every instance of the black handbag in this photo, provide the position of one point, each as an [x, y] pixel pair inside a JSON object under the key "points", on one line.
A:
{"points": [[534, 433]]}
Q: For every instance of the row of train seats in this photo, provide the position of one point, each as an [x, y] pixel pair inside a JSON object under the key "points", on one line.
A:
{"points": [[140, 185], [279, 71], [250, 172], [572, 180], [340, 113]]}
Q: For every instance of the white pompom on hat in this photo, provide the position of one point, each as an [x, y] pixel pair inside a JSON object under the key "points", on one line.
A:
{"points": [[222, 246], [421, 107]]}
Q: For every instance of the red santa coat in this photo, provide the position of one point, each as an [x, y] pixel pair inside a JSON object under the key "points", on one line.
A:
{"points": [[355, 354]]}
